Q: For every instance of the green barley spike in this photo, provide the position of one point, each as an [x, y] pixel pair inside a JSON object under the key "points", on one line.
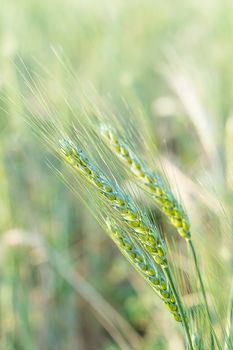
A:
{"points": [[116, 198], [144, 265], [152, 182]]}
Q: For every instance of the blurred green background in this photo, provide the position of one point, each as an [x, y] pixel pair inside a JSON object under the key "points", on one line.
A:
{"points": [[63, 284]]}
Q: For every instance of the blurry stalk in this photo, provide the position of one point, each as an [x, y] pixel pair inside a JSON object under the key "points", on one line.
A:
{"points": [[12, 91], [17, 325], [183, 84], [198, 272], [197, 342], [5, 207], [229, 326], [229, 152]]}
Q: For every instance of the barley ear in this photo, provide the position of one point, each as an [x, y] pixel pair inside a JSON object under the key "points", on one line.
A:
{"points": [[140, 260], [152, 182], [121, 203]]}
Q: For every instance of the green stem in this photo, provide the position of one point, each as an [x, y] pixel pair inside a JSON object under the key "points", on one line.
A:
{"points": [[180, 307], [212, 333], [228, 341]]}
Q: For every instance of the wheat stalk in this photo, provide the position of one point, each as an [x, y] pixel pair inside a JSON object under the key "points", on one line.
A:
{"points": [[229, 326]]}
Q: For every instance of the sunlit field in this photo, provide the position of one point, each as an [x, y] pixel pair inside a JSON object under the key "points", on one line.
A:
{"points": [[116, 175]]}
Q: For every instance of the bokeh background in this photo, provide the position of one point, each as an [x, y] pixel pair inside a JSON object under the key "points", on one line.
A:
{"points": [[63, 284]]}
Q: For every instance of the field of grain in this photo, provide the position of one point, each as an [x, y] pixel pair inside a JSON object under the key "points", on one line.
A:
{"points": [[160, 75]]}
